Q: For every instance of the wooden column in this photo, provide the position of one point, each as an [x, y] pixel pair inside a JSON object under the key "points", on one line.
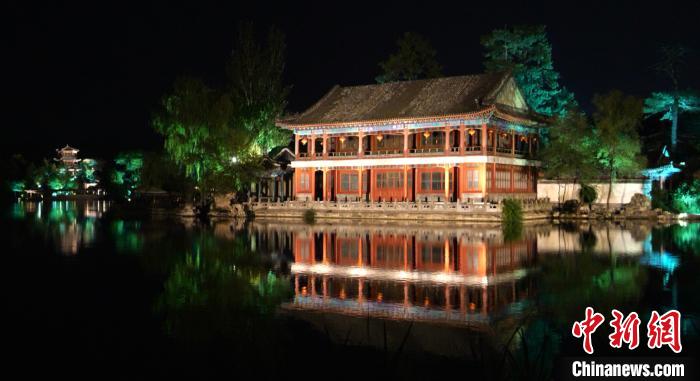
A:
{"points": [[405, 183], [324, 197], [447, 141], [296, 146], [312, 183], [447, 183], [495, 141], [529, 145], [359, 183], [360, 139], [484, 139], [512, 178], [512, 143], [462, 138], [312, 141], [324, 140], [405, 141]]}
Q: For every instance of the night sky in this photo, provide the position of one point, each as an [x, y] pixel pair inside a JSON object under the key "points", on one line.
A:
{"points": [[90, 75]]}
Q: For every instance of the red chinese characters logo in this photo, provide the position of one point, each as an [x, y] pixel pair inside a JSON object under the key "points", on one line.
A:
{"points": [[626, 330], [661, 330], [586, 328], [665, 330]]}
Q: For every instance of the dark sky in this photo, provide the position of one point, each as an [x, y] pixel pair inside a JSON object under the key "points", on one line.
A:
{"points": [[91, 74]]}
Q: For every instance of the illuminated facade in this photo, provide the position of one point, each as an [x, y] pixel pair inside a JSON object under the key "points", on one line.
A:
{"points": [[68, 156], [466, 138]]}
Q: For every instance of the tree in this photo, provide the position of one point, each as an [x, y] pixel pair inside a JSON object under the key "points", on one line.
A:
{"points": [[671, 104], [196, 124], [256, 88], [126, 174], [588, 195], [414, 59], [570, 152], [617, 118], [672, 60], [526, 51]]}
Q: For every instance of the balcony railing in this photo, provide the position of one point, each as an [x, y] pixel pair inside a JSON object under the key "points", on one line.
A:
{"points": [[391, 152], [469, 150], [343, 154]]}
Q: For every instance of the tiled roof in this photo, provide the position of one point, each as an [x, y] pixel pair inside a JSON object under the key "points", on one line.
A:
{"points": [[403, 100]]}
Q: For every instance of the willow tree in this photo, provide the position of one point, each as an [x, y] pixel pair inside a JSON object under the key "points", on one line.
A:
{"points": [[617, 117], [413, 59], [256, 89], [195, 122], [526, 51]]}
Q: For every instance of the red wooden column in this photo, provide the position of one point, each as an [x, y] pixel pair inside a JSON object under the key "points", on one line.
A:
{"points": [[447, 141], [296, 146], [360, 138], [312, 141], [359, 183], [512, 179], [405, 183], [484, 139], [512, 143], [462, 136], [312, 183], [325, 145], [405, 141]]}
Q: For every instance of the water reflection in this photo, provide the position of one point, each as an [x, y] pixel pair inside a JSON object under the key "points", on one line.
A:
{"points": [[70, 225], [447, 275], [229, 278]]}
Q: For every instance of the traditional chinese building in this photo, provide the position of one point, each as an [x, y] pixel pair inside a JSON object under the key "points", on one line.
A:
{"points": [[68, 156], [466, 138]]}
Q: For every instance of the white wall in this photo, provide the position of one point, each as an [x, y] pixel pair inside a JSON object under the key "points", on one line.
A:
{"points": [[622, 192]]}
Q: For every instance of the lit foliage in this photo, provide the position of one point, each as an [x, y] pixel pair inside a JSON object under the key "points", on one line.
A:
{"points": [[670, 105], [127, 172], [570, 152], [686, 198], [55, 177], [662, 102], [195, 123], [616, 118], [18, 186], [256, 89], [512, 214], [414, 59], [87, 171], [588, 195], [527, 52]]}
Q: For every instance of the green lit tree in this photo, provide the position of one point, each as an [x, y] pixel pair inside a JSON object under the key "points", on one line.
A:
{"points": [[617, 118], [526, 51], [256, 89], [671, 63], [414, 59], [196, 125], [570, 152], [126, 174], [671, 104]]}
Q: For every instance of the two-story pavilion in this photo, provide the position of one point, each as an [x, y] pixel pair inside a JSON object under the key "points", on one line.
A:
{"points": [[461, 138]]}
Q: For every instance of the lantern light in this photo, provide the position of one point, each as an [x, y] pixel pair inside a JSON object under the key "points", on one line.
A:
{"points": [[303, 141], [379, 138], [472, 132], [523, 138], [342, 139], [426, 134]]}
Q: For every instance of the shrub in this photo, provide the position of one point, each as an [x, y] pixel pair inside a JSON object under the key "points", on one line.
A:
{"points": [[570, 206], [512, 214], [686, 198], [588, 195], [309, 216]]}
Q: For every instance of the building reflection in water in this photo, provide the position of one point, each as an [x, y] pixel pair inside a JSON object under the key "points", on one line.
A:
{"points": [[461, 275], [71, 224]]}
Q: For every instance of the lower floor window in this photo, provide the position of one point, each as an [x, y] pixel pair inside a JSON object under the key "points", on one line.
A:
{"points": [[304, 182], [432, 181], [348, 182]]}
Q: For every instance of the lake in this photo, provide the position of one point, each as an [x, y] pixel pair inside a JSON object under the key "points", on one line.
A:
{"points": [[91, 294]]}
